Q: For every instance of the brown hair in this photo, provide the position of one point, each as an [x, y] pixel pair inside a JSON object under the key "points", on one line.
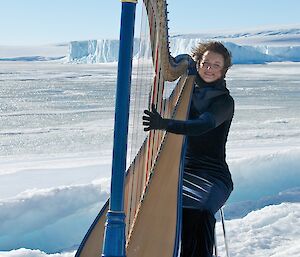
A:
{"points": [[214, 46]]}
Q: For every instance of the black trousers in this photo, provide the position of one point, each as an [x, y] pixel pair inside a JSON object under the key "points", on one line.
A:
{"points": [[198, 223], [197, 236]]}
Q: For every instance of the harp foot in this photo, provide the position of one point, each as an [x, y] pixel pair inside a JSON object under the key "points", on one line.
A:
{"points": [[114, 245]]}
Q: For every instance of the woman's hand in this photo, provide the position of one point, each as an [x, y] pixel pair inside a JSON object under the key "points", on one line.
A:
{"points": [[153, 120]]}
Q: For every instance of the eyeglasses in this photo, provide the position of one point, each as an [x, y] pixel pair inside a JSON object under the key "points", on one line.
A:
{"points": [[215, 67]]}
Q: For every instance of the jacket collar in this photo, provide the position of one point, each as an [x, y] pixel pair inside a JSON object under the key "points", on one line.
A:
{"points": [[219, 84]]}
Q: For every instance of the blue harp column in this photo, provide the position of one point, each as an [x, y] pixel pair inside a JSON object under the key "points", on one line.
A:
{"points": [[114, 237]]}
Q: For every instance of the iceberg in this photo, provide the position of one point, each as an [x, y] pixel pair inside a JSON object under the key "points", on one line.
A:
{"points": [[104, 51], [95, 51], [284, 53], [246, 47]]}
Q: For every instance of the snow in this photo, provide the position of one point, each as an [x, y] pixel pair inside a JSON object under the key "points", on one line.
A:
{"points": [[267, 170], [23, 252], [273, 231], [33, 53], [62, 203], [51, 212], [31, 58], [48, 202], [276, 36]]}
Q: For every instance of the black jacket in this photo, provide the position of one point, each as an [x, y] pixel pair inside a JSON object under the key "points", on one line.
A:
{"points": [[207, 128]]}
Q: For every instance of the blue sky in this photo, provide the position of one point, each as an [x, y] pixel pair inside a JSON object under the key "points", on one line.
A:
{"points": [[34, 22]]}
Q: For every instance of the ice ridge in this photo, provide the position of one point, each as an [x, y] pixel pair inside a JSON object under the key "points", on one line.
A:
{"points": [[104, 51]]}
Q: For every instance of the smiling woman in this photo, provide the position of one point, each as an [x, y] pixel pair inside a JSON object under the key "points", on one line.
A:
{"points": [[207, 181], [211, 66], [213, 60]]}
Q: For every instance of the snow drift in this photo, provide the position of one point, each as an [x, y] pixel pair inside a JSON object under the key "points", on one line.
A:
{"points": [[272, 231]]}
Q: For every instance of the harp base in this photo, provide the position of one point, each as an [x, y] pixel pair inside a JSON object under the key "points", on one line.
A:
{"points": [[114, 245]]}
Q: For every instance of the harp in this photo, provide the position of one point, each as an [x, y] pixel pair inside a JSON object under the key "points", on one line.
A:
{"points": [[152, 197]]}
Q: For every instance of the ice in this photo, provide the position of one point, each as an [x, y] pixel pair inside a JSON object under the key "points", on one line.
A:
{"points": [[272, 231], [97, 51], [56, 213], [33, 53], [283, 53], [259, 46], [264, 171], [107, 51], [23, 252], [56, 145], [241, 209], [52, 171], [252, 46]]}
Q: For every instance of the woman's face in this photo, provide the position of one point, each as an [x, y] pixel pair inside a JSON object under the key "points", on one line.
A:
{"points": [[211, 66]]}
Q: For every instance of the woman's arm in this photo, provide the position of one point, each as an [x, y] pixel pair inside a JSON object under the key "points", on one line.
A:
{"points": [[219, 111]]}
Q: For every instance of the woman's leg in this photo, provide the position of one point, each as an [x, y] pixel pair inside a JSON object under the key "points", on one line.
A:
{"points": [[197, 233], [203, 192], [202, 198]]}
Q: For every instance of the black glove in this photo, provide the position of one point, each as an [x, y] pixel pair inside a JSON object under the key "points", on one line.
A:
{"points": [[153, 120]]}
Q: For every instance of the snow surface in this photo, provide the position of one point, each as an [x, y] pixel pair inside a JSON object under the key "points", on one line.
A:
{"points": [[273, 231], [33, 53], [34, 189], [42, 178], [58, 207]]}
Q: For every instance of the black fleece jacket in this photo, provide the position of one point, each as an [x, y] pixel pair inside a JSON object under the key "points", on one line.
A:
{"points": [[207, 127]]}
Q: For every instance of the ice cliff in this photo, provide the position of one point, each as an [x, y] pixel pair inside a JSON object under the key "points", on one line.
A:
{"points": [[247, 47]]}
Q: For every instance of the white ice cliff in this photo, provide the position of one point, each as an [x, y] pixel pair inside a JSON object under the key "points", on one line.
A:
{"points": [[247, 47]]}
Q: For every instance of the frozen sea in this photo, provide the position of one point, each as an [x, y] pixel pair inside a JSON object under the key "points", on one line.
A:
{"points": [[56, 138]]}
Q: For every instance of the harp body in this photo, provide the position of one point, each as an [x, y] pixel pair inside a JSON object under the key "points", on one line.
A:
{"points": [[152, 197]]}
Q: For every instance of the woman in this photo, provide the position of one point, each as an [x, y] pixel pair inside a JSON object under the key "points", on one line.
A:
{"points": [[207, 181]]}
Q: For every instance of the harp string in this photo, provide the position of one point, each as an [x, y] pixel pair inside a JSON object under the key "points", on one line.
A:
{"points": [[141, 87], [148, 88]]}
